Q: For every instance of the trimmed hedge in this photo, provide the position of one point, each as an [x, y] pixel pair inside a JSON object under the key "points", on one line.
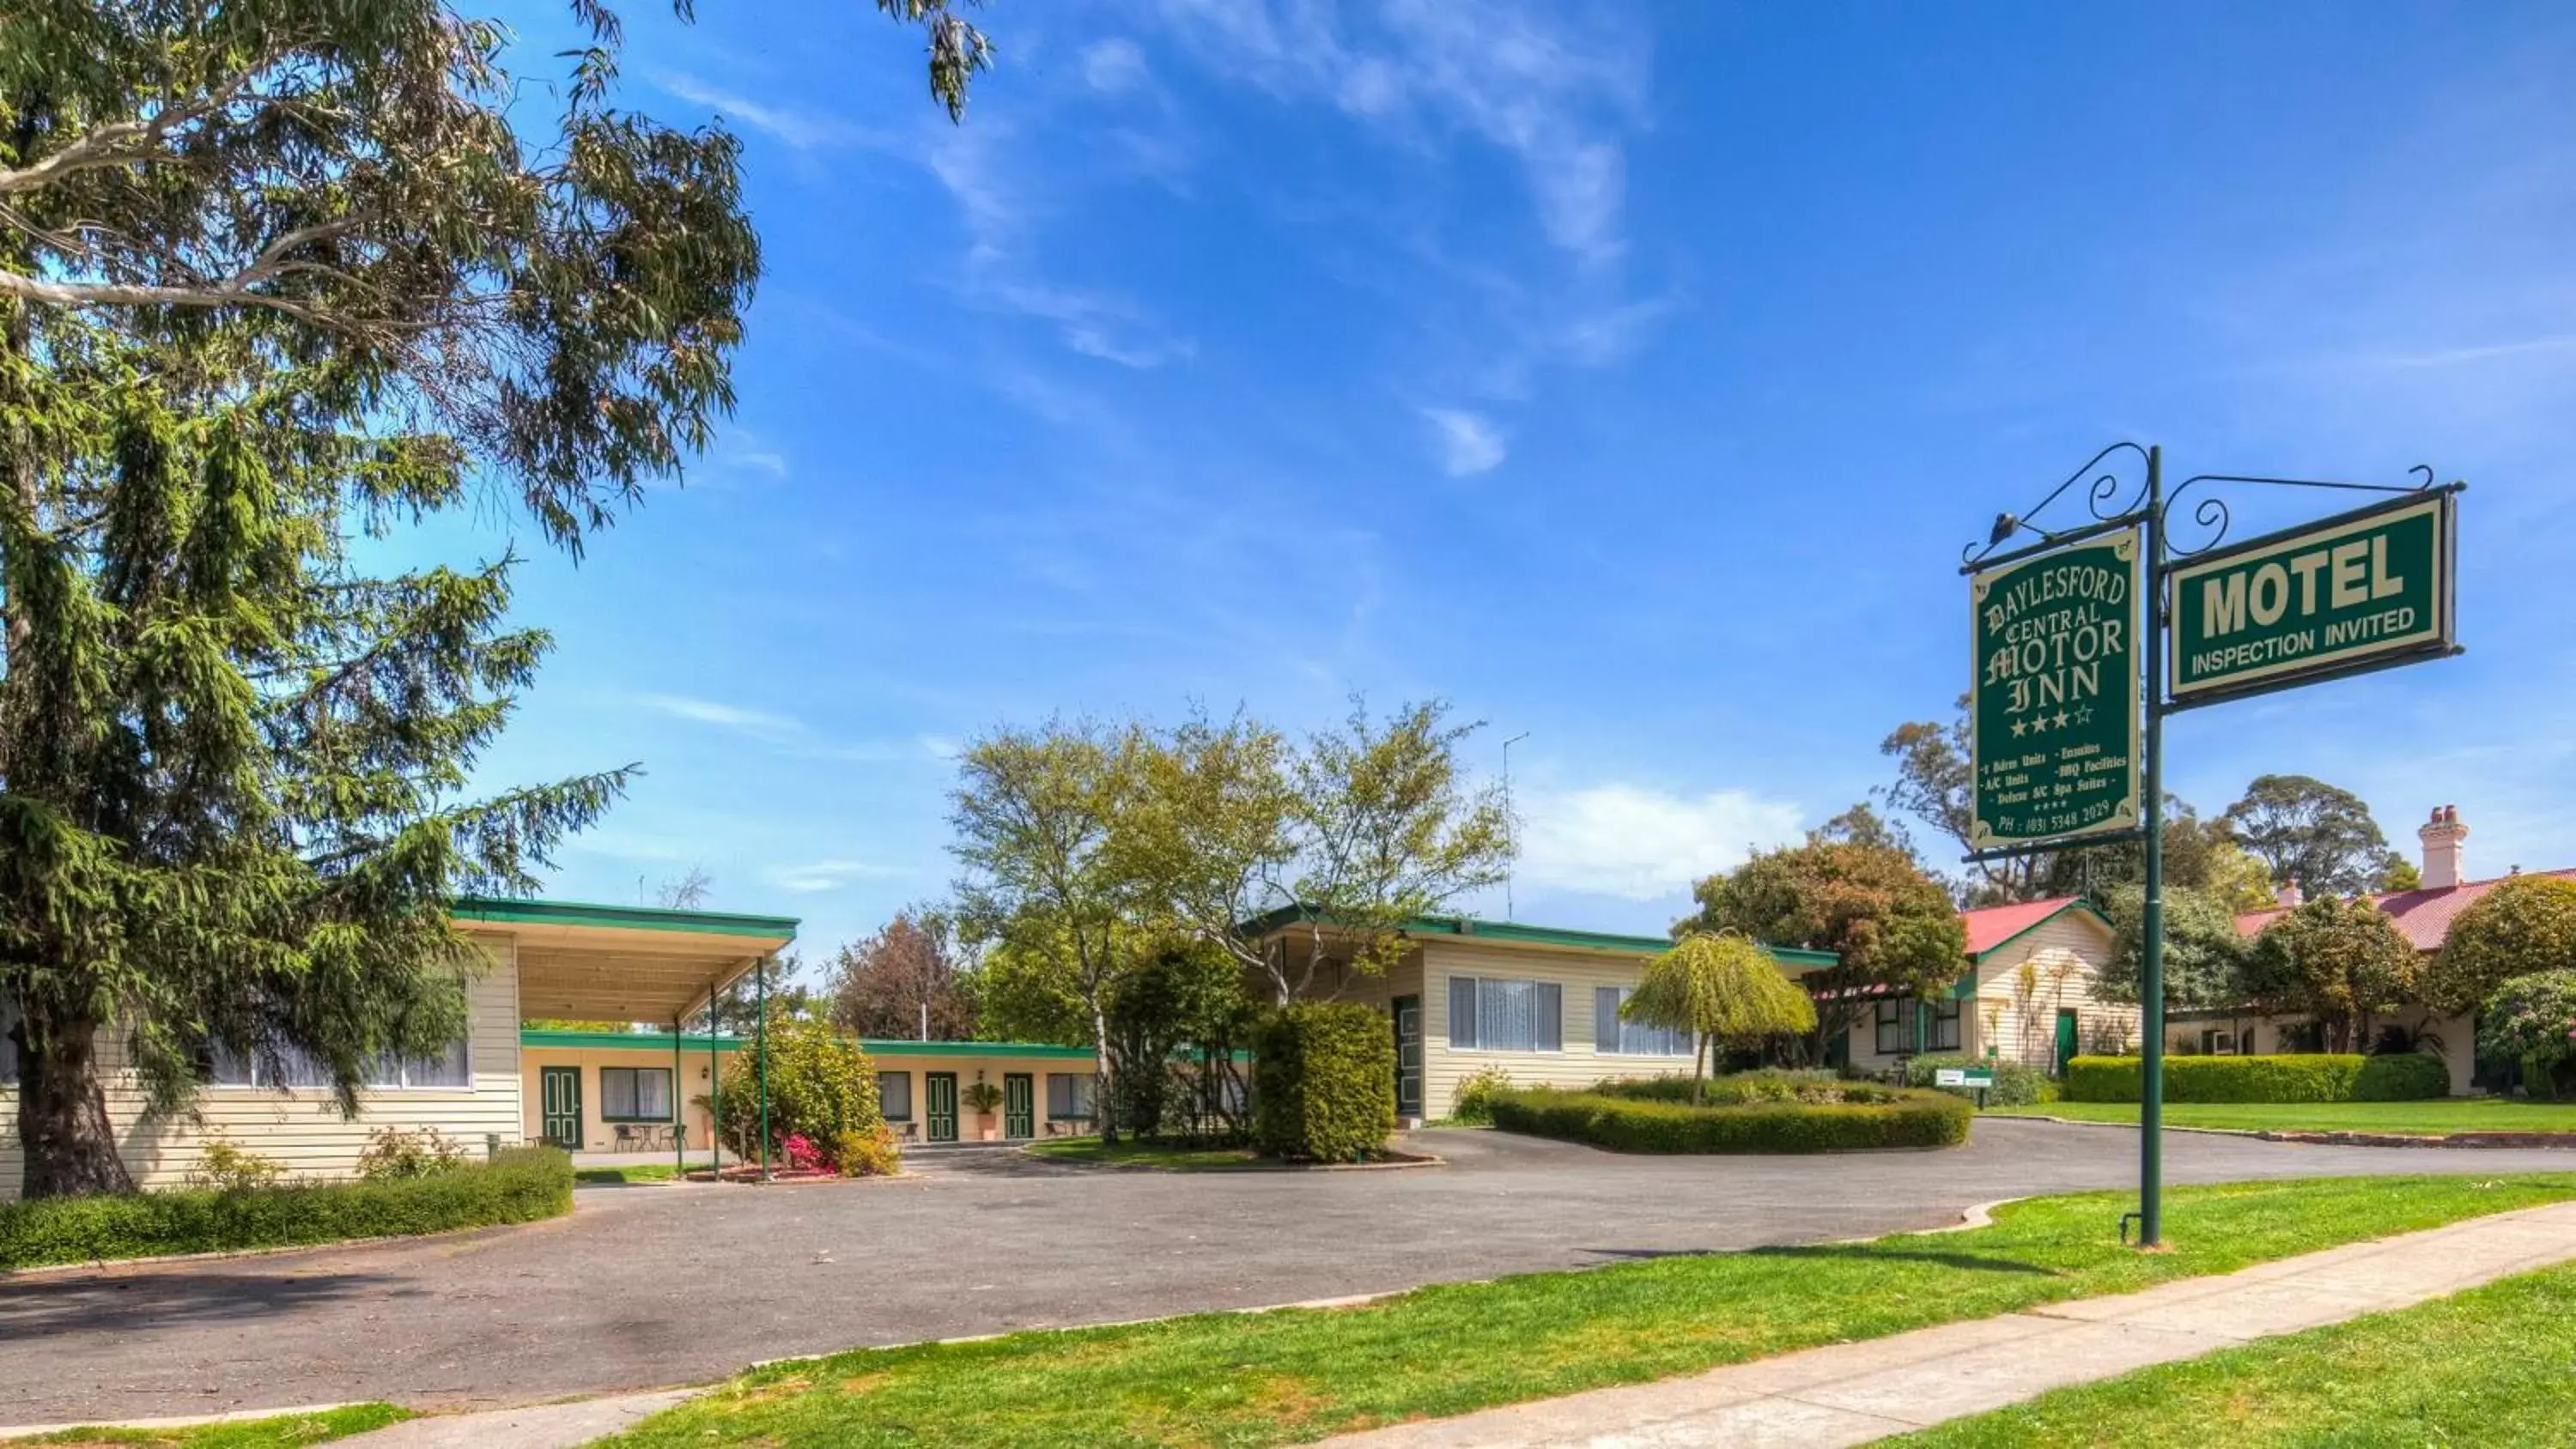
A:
{"points": [[520, 1185], [1737, 1089], [1323, 1083], [2308, 1077], [2017, 1084], [1628, 1124]]}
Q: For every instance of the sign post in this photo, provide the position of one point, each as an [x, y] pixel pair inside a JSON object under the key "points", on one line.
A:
{"points": [[2086, 640]]}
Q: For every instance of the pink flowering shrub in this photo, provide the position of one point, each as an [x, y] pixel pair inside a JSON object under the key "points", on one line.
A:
{"points": [[804, 1154]]}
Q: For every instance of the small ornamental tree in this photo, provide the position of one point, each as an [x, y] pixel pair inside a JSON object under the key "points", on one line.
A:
{"points": [[2521, 926], [1722, 989], [1892, 925], [2205, 955], [2532, 1020], [2339, 959], [821, 1087]]}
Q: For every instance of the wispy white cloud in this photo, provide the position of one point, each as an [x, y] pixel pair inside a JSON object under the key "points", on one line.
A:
{"points": [[794, 736], [813, 877], [2470, 355], [1095, 324], [803, 130], [1469, 442], [1548, 90], [1641, 844], [1112, 66]]}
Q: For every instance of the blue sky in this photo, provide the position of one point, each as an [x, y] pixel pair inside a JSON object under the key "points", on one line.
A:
{"points": [[1629, 375]]}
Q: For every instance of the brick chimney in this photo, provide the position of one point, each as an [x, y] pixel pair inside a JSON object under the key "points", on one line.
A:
{"points": [[2443, 837], [2289, 896]]}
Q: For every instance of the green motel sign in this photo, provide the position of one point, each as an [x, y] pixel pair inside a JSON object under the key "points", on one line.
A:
{"points": [[2352, 592], [2054, 711]]}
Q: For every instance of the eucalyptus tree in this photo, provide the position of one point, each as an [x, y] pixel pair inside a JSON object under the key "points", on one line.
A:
{"points": [[274, 276]]}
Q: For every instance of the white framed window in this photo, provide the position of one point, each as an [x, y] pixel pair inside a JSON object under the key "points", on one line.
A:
{"points": [[1894, 1033], [1613, 1037], [452, 1068], [1069, 1095], [894, 1096], [635, 1094], [1496, 1015]]}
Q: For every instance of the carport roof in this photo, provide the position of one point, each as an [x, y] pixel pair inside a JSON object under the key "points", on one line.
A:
{"points": [[624, 963]]}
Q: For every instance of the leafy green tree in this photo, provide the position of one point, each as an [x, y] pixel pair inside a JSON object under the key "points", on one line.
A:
{"points": [[2205, 955], [2320, 835], [1725, 991], [2520, 926], [2338, 958], [2531, 1020], [1358, 831], [1178, 1020], [1892, 925], [1863, 825], [1036, 819], [273, 275]]}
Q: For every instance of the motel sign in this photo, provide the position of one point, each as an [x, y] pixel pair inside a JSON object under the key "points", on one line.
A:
{"points": [[2352, 591]]}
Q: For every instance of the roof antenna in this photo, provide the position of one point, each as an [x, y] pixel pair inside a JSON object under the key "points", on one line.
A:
{"points": [[1511, 825]]}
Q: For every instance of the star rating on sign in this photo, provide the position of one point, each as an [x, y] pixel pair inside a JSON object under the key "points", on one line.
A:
{"points": [[2019, 729], [2062, 718]]}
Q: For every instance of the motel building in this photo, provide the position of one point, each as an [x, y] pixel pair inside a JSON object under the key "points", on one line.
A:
{"points": [[500, 1085]]}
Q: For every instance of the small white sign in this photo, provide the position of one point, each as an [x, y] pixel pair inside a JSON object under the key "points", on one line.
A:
{"points": [[1949, 1077]]}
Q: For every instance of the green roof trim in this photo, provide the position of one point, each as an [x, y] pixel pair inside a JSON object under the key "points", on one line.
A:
{"points": [[660, 1041], [649, 918], [1470, 926]]}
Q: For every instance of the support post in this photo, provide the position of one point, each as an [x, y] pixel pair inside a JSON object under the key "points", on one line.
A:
{"points": [[2151, 972], [715, 1094], [679, 1104], [761, 990]]}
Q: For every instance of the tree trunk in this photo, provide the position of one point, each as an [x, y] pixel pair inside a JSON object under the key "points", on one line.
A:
{"points": [[1699, 1069], [69, 1146], [1104, 1094]]}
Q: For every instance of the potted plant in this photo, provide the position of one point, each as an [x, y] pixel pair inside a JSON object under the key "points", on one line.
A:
{"points": [[985, 1099]]}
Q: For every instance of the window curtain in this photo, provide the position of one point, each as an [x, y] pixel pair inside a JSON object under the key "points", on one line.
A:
{"points": [[1628, 1038], [1508, 1016]]}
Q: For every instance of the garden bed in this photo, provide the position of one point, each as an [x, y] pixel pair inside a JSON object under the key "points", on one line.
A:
{"points": [[1167, 1157], [520, 1185], [1760, 1112]]}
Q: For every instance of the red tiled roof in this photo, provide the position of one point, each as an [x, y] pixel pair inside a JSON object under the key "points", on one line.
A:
{"points": [[2423, 917], [1991, 926]]}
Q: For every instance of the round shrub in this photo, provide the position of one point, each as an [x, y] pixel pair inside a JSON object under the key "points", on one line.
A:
{"points": [[1739, 1088], [1323, 1083], [820, 1086], [2532, 1020], [1631, 1124], [1473, 1103], [2401, 1077], [2017, 1084], [2523, 927]]}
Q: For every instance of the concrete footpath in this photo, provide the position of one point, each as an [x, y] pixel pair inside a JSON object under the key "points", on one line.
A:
{"points": [[1851, 1393]]}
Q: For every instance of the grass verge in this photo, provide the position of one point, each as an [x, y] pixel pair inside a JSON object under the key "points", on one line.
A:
{"points": [[638, 1172], [2487, 1367], [283, 1431], [1288, 1377], [2407, 1119], [1145, 1154]]}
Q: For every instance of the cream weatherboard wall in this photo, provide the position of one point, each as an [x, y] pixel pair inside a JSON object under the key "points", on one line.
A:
{"points": [[1578, 972], [2024, 983], [304, 1129]]}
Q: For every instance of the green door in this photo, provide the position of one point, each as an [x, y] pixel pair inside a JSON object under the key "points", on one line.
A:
{"points": [[1019, 1105], [939, 1107], [1408, 1056], [2066, 1027], [559, 1106]]}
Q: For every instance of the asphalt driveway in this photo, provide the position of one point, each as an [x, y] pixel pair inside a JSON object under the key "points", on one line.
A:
{"points": [[647, 1286]]}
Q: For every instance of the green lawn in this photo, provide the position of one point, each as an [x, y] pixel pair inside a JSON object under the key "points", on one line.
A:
{"points": [[285, 1431], [2412, 1119], [2489, 1367], [1242, 1380], [644, 1172], [1146, 1154]]}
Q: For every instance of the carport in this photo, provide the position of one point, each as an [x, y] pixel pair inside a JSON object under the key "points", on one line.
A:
{"points": [[634, 964]]}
